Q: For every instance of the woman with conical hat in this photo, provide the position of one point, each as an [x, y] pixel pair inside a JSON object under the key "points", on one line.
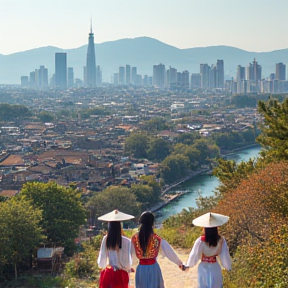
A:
{"points": [[114, 256], [211, 248], [145, 246]]}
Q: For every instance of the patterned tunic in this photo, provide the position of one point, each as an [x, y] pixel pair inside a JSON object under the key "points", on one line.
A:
{"points": [[148, 272]]}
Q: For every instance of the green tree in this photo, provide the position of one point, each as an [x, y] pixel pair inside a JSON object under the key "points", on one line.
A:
{"points": [[187, 138], [45, 116], [207, 150], [155, 124], [274, 134], [137, 144], [249, 135], [144, 195], [13, 112], [223, 140], [86, 113], [231, 174], [158, 149], [20, 231], [114, 197], [150, 180], [174, 167], [62, 210], [189, 151]]}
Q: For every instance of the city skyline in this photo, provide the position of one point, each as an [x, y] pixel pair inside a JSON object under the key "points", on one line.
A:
{"points": [[248, 25]]}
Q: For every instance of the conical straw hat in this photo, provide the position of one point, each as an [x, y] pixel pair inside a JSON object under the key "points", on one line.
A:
{"points": [[115, 215], [210, 220]]}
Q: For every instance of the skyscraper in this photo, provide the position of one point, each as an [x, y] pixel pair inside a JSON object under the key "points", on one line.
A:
{"points": [[134, 75], [185, 80], [205, 73], [90, 62], [70, 77], [171, 78], [195, 80], [280, 71], [41, 77], [128, 74], [159, 75], [98, 76], [254, 74], [240, 79], [61, 70], [220, 74], [121, 75], [213, 77]]}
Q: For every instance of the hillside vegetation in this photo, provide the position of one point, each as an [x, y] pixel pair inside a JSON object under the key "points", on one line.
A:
{"points": [[255, 196]]}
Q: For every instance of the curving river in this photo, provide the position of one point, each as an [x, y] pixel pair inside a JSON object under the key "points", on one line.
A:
{"points": [[204, 184]]}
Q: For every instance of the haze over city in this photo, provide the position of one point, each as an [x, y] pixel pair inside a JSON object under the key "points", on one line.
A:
{"points": [[250, 25]]}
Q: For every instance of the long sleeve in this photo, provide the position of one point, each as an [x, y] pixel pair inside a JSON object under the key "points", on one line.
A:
{"points": [[133, 254], [120, 258], [102, 258], [168, 251], [195, 254], [225, 256]]}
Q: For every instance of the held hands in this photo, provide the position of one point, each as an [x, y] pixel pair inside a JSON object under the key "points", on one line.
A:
{"points": [[183, 267]]}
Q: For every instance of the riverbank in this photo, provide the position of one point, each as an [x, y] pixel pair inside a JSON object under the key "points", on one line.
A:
{"points": [[231, 152], [205, 190], [166, 199], [195, 173]]}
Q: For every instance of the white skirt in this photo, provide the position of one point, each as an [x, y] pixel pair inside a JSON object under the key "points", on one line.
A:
{"points": [[210, 275]]}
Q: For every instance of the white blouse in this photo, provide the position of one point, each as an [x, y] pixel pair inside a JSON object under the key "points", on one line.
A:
{"points": [[200, 247], [120, 258], [165, 250]]}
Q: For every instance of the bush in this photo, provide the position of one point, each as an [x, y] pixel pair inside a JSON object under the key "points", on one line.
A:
{"points": [[263, 265], [84, 264]]}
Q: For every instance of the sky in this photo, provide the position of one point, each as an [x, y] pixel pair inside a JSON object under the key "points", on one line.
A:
{"points": [[252, 25]]}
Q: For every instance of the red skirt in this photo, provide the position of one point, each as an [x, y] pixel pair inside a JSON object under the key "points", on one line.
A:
{"points": [[113, 279]]}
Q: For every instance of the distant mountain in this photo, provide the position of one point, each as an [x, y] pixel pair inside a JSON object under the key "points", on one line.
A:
{"points": [[142, 52]]}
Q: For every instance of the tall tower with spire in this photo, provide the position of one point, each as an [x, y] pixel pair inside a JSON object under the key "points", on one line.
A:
{"points": [[90, 70]]}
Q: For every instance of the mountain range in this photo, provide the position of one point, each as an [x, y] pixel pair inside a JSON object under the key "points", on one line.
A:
{"points": [[142, 52]]}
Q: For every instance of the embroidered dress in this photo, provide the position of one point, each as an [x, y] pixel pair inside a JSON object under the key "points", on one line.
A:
{"points": [[209, 270], [115, 264], [148, 272]]}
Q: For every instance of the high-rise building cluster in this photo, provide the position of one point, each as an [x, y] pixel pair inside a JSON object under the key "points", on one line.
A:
{"points": [[209, 77], [63, 77], [128, 76], [249, 80]]}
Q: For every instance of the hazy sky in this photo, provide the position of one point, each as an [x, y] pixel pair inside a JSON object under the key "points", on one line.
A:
{"points": [[253, 25]]}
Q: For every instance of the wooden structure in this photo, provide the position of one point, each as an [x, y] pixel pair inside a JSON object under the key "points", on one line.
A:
{"points": [[49, 259]]}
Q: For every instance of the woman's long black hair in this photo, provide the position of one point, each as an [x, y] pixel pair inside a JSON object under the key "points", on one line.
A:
{"points": [[114, 236], [146, 229], [212, 236]]}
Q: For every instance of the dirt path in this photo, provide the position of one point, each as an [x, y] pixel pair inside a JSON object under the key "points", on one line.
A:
{"points": [[173, 276]]}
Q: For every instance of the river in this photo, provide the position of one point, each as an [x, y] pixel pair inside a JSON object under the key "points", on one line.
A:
{"points": [[204, 184]]}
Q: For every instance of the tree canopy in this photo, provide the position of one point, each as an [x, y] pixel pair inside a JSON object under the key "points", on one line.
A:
{"points": [[20, 231], [114, 197], [12, 112], [155, 124], [46, 116], [62, 210], [274, 134], [174, 167], [137, 144]]}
